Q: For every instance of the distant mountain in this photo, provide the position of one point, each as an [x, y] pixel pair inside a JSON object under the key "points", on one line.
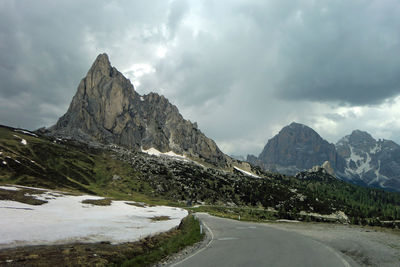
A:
{"points": [[370, 162], [238, 157], [357, 158], [107, 109], [296, 148]]}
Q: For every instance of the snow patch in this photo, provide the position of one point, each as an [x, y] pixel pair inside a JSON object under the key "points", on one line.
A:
{"points": [[362, 166], [155, 152], [379, 177], [377, 148], [246, 172], [64, 219], [26, 132], [5, 163], [23, 141], [11, 188]]}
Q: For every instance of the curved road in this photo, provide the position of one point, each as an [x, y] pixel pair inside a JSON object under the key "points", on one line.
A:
{"points": [[235, 243]]}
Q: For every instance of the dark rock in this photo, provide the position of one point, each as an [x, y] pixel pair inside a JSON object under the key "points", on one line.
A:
{"points": [[296, 148]]}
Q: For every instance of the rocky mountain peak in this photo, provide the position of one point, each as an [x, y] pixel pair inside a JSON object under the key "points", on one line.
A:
{"points": [[295, 148], [101, 67], [296, 125], [360, 137], [106, 109], [102, 62]]}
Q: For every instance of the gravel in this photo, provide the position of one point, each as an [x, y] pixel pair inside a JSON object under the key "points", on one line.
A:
{"points": [[367, 246]]}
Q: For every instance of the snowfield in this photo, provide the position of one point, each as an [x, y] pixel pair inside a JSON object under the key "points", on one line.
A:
{"points": [[155, 152], [64, 219], [246, 172], [26, 132]]}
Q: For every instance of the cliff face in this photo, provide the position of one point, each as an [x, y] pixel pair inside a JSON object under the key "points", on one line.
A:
{"points": [[107, 109], [296, 148]]}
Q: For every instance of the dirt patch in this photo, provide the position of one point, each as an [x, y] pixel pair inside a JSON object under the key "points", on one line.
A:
{"points": [[98, 202], [137, 204], [160, 218], [23, 195]]}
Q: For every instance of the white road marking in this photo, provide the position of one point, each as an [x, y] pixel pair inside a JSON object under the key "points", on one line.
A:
{"points": [[227, 238], [245, 227]]}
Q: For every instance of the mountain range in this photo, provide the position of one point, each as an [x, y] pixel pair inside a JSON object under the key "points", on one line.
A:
{"points": [[117, 143], [106, 109], [357, 158]]}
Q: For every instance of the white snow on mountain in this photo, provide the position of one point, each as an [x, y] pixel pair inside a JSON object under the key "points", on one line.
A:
{"points": [[23, 141], [362, 165], [246, 172], [377, 148], [26, 132], [155, 152], [379, 177], [10, 188]]}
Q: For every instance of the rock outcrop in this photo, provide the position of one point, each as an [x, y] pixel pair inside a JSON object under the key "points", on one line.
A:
{"points": [[107, 109], [325, 167]]}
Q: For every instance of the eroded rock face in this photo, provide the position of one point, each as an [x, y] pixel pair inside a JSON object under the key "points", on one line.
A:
{"points": [[297, 147], [107, 109]]}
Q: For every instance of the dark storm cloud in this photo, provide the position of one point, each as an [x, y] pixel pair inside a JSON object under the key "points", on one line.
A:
{"points": [[337, 50], [241, 68], [303, 50]]}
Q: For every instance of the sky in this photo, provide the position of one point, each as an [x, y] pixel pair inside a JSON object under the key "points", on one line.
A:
{"points": [[241, 69]]}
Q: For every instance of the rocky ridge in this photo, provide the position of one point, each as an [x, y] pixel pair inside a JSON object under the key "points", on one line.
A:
{"points": [[106, 109]]}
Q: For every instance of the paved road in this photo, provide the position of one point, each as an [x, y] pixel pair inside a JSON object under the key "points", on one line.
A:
{"points": [[237, 243]]}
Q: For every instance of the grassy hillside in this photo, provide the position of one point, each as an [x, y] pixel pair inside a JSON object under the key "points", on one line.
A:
{"points": [[57, 164]]}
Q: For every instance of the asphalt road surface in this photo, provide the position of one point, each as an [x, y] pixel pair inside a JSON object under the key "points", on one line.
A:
{"points": [[235, 243]]}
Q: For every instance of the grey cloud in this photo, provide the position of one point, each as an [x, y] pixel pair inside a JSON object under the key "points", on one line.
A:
{"points": [[176, 13], [47, 47], [241, 68], [337, 51], [335, 117]]}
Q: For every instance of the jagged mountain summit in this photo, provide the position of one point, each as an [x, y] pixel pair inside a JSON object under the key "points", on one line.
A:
{"points": [[107, 109], [370, 162], [296, 148]]}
